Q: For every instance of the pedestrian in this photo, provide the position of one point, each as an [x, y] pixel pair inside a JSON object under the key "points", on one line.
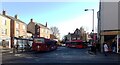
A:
{"points": [[98, 47], [27, 47], [114, 46], [94, 48], [105, 46], [16, 47], [3, 43]]}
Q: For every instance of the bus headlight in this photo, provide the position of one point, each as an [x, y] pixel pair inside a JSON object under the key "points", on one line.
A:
{"points": [[38, 46]]}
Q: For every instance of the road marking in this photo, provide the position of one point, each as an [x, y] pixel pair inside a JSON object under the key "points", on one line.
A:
{"points": [[18, 55], [11, 52], [56, 54], [92, 55]]}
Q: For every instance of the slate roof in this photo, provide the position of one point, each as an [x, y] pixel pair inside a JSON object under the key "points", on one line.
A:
{"points": [[10, 17], [41, 25]]}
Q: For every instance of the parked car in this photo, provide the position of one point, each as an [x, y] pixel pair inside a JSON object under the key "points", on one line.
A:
{"points": [[63, 44]]}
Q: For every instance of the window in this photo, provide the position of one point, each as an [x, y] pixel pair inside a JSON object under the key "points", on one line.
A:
{"points": [[17, 32], [74, 38], [39, 40], [78, 38], [47, 31], [17, 25], [38, 30], [6, 31], [3, 31], [47, 36], [3, 21], [42, 30], [24, 27]]}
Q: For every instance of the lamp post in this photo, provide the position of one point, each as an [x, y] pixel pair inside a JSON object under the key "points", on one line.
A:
{"points": [[92, 22]]}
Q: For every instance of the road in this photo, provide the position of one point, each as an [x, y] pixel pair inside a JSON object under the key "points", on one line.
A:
{"points": [[61, 55]]}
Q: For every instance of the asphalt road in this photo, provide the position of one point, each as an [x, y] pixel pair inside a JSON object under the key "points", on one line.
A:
{"points": [[60, 55]]}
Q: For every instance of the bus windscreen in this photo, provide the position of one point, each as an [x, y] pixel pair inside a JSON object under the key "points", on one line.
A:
{"points": [[39, 40], [75, 43]]}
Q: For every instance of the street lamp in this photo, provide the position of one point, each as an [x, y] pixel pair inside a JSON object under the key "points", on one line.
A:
{"points": [[93, 21]]}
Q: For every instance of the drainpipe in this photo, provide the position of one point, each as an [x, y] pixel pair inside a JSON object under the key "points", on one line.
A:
{"points": [[117, 43]]}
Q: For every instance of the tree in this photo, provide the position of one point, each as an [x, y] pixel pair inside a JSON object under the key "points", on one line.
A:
{"points": [[64, 39], [83, 33], [55, 31]]}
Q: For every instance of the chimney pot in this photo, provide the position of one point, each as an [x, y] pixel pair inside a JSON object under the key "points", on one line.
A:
{"points": [[4, 12], [31, 20], [16, 16], [46, 24]]}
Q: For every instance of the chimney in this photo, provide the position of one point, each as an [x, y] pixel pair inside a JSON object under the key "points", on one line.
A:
{"points": [[16, 16], [4, 12], [46, 24], [31, 20]]}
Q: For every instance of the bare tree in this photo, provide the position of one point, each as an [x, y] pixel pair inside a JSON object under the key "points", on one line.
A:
{"points": [[55, 31]]}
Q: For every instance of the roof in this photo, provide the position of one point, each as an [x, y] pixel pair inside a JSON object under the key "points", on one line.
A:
{"points": [[4, 16], [41, 25], [29, 32], [10, 17], [73, 34]]}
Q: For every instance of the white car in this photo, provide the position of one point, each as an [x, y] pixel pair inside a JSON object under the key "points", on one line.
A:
{"points": [[62, 44], [89, 45]]}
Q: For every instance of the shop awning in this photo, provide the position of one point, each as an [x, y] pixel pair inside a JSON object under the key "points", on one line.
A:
{"points": [[110, 33]]}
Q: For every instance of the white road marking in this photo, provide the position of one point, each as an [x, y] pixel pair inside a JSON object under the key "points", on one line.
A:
{"points": [[18, 55]]}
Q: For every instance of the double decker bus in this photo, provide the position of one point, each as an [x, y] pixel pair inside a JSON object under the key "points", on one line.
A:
{"points": [[76, 44], [43, 44]]}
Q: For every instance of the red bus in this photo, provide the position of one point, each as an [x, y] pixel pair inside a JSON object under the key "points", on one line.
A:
{"points": [[76, 44], [43, 44]]}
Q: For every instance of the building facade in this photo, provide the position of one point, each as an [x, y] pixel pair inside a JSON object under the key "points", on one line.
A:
{"points": [[4, 30], [79, 34], [38, 30], [108, 23], [17, 28]]}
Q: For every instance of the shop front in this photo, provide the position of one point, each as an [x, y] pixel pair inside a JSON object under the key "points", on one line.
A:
{"points": [[5, 42], [113, 40]]}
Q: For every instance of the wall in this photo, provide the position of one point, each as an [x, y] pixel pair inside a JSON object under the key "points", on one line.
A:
{"points": [[109, 16], [6, 36], [7, 26], [119, 15], [31, 27], [22, 32], [44, 33]]}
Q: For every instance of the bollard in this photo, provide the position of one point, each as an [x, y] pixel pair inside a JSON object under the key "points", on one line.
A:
{"points": [[22, 48], [13, 49]]}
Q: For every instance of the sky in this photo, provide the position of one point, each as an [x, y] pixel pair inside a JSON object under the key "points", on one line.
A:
{"points": [[67, 16]]}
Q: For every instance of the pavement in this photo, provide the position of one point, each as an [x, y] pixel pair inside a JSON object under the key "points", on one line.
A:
{"points": [[6, 50]]}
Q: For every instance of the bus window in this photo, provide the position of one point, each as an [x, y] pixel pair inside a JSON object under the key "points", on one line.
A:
{"points": [[76, 43]]}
